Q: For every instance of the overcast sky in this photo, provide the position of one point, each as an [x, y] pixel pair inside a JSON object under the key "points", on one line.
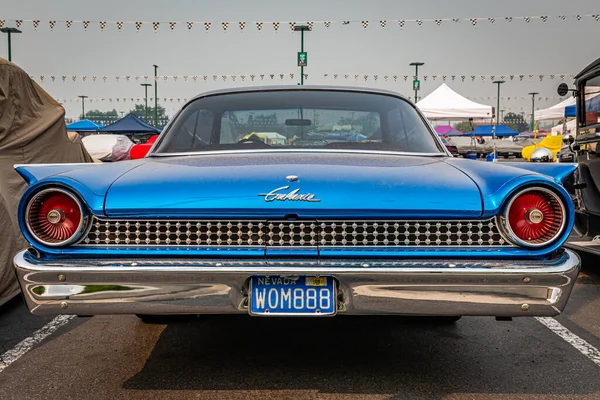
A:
{"points": [[498, 49]]}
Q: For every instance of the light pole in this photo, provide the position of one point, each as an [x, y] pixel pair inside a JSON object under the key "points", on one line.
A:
{"points": [[145, 85], [82, 106], [9, 31], [303, 62], [416, 83], [532, 94], [497, 107], [155, 95]]}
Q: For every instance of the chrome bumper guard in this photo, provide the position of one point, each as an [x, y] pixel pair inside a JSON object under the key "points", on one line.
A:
{"points": [[504, 288]]}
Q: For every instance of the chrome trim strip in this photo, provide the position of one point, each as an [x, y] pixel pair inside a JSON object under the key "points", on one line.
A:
{"points": [[300, 265], [409, 287], [328, 151]]}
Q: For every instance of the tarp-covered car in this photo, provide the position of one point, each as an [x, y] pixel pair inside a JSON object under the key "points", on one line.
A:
{"points": [[108, 147], [385, 222], [32, 130]]}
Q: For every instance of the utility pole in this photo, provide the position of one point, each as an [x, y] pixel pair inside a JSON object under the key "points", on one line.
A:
{"points": [[9, 32], [155, 96], [532, 94], [145, 85], [497, 107], [302, 56], [82, 106], [416, 81]]}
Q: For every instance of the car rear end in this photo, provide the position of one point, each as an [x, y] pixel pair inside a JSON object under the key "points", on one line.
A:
{"points": [[504, 265], [381, 222]]}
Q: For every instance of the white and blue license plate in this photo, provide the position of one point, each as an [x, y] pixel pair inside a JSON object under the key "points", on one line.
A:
{"points": [[292, 295]]}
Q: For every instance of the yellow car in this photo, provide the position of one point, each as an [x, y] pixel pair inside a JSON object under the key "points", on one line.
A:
{"points": [[552, 143]]}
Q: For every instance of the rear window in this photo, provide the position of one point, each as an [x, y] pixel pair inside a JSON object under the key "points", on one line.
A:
{"points": [[296, 119]]}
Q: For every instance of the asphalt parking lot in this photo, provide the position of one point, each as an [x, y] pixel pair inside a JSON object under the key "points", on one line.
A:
{"points": [[334, 358]]}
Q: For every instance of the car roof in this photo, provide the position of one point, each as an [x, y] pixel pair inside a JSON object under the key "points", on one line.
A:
{"points": [[275, 88], [593, 68]]}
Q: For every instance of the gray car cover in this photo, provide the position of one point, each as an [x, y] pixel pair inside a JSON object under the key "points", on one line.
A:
{"points": [[32, 131]]}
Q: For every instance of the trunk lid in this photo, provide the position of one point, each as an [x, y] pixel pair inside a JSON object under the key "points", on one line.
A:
{"points": [[254, 185]]}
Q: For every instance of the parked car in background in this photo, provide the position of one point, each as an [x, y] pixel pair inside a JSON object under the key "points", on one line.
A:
{"points": [[108, 147], [140, 150], [470, 145], [451, 147], [552, 143], [505, 147], [208, 223]]}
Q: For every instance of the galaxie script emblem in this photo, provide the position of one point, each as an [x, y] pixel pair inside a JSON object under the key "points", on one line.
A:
{"points": [[276, 195]]}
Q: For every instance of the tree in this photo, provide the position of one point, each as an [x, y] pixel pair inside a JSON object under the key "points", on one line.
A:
{"points": [[515, 122], [140, 111], [464, 126], [97, 114]]}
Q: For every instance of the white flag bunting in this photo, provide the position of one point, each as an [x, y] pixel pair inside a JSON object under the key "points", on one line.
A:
{"points": [[328, 76], [242, 26]]}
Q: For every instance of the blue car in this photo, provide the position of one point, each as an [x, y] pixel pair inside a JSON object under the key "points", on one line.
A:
{"points": [[216, 221]]}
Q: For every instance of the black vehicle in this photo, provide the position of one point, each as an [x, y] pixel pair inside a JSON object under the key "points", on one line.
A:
{"points": [[585, 187]]}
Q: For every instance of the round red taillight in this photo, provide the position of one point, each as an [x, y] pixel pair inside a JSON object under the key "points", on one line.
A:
{"points": [[55, 217], [535, 217]]}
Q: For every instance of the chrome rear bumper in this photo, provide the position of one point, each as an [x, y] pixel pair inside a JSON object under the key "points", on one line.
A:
{"points": [[405, 287]]}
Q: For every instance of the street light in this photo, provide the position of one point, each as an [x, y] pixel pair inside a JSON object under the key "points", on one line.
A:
{"points": [[532, 94], [10, 31], [497, 107], [155, 95], [416, 82], [145, 85], [82, 106], [302, 59]]}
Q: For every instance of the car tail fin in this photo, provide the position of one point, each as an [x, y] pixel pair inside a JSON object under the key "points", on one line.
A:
{"points": [[32, 173], [559, 172]]}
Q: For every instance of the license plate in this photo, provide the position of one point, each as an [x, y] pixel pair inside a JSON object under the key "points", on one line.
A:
{"points": [[292, 295]]}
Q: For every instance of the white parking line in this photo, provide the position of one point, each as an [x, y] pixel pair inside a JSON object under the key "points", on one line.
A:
{"points": [[27, 344], [584, 347]]}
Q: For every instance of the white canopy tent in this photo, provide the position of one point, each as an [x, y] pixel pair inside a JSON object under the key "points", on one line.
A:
{"points": [[446, 105], [571, 128], [557, 111]]}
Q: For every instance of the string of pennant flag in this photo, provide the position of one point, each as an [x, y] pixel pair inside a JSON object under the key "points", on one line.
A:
{"points": [[290, 76], [277, 25], [136, 100], [184, 100], [509, 98]]}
